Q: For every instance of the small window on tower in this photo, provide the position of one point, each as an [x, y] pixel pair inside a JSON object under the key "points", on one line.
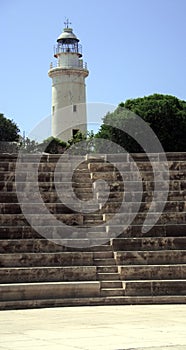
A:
{"points": [[53, 109], [74, 108], [74, 132]]}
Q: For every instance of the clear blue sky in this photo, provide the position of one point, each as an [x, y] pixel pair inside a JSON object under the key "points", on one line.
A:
{"points": [[133, 48]]}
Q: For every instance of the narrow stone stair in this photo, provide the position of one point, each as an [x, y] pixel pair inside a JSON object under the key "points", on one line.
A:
{"points": [[107, 274]]}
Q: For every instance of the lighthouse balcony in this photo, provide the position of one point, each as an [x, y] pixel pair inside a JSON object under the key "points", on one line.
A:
{"points": [[73, 65]]}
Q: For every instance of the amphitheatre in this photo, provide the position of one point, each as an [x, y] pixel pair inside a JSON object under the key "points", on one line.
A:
{"points": [[102, 268]]}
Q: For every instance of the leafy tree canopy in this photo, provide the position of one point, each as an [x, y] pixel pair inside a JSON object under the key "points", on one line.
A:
{"points": [[53, 145], [165, 114], [9, 131]]}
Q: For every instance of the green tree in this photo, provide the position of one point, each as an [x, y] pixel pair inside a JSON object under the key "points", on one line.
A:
{"points": [[86, 143], [9, 131], [78, 137], [165, 114], [53, 145]]}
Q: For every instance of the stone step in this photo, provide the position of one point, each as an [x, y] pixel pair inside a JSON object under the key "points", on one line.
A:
{"points": [[56, 234], [48, 246], [95, 169], [47, 197], [40, 220], [47, 274], [157, 257], [107, 269], [11, 166], [112, 292], [111, 284], [47, 219], [42, 167], [176, 213], [142, 166], [173, 164], [118, 244], [87, 301], [49, 290], [174, 185], [42, 158], [166, 229], [155, 287], [133, 175], [47, 259], [35, 176], [148, 243], [94, 157], [39, 167], [135, 196], [93, 219], [151, 272], [10, 186], [19, 232], [142, 157], [104, 262], [103, 255], [132, 207], [109, 207], [115, 196], [133, 231], [51, 232], [173, 160], [108, 276], [36, 208], [121, 219]]}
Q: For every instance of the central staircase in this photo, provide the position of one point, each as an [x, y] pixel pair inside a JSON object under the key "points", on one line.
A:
{"points": [[107, 273], [104, 267]]}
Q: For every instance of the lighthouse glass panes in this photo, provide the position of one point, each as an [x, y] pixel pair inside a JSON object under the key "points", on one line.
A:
{"points": [[68, 47]]}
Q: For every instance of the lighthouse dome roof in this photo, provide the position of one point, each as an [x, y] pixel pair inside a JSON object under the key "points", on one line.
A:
{"points": [[67, 35]]}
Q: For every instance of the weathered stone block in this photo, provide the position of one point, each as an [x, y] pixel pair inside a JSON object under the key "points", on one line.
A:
{"points": [[47, 274], [47, 259], [37, 291], [155, 288], [151, 257], [151, 272]]}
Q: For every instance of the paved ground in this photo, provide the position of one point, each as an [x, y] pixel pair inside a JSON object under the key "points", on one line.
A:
{"points": [[95, 328]]}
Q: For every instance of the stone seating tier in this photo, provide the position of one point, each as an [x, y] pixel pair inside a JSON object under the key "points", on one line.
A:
{"points": [[132, 268]]}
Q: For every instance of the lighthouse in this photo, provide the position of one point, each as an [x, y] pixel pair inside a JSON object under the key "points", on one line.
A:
{"points": [[68, 87]]}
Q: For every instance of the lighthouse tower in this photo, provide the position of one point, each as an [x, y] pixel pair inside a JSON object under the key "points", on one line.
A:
{"points": [[68, 87]]}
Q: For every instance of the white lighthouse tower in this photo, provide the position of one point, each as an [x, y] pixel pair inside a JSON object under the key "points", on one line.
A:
{"points": [[68, 87]]}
